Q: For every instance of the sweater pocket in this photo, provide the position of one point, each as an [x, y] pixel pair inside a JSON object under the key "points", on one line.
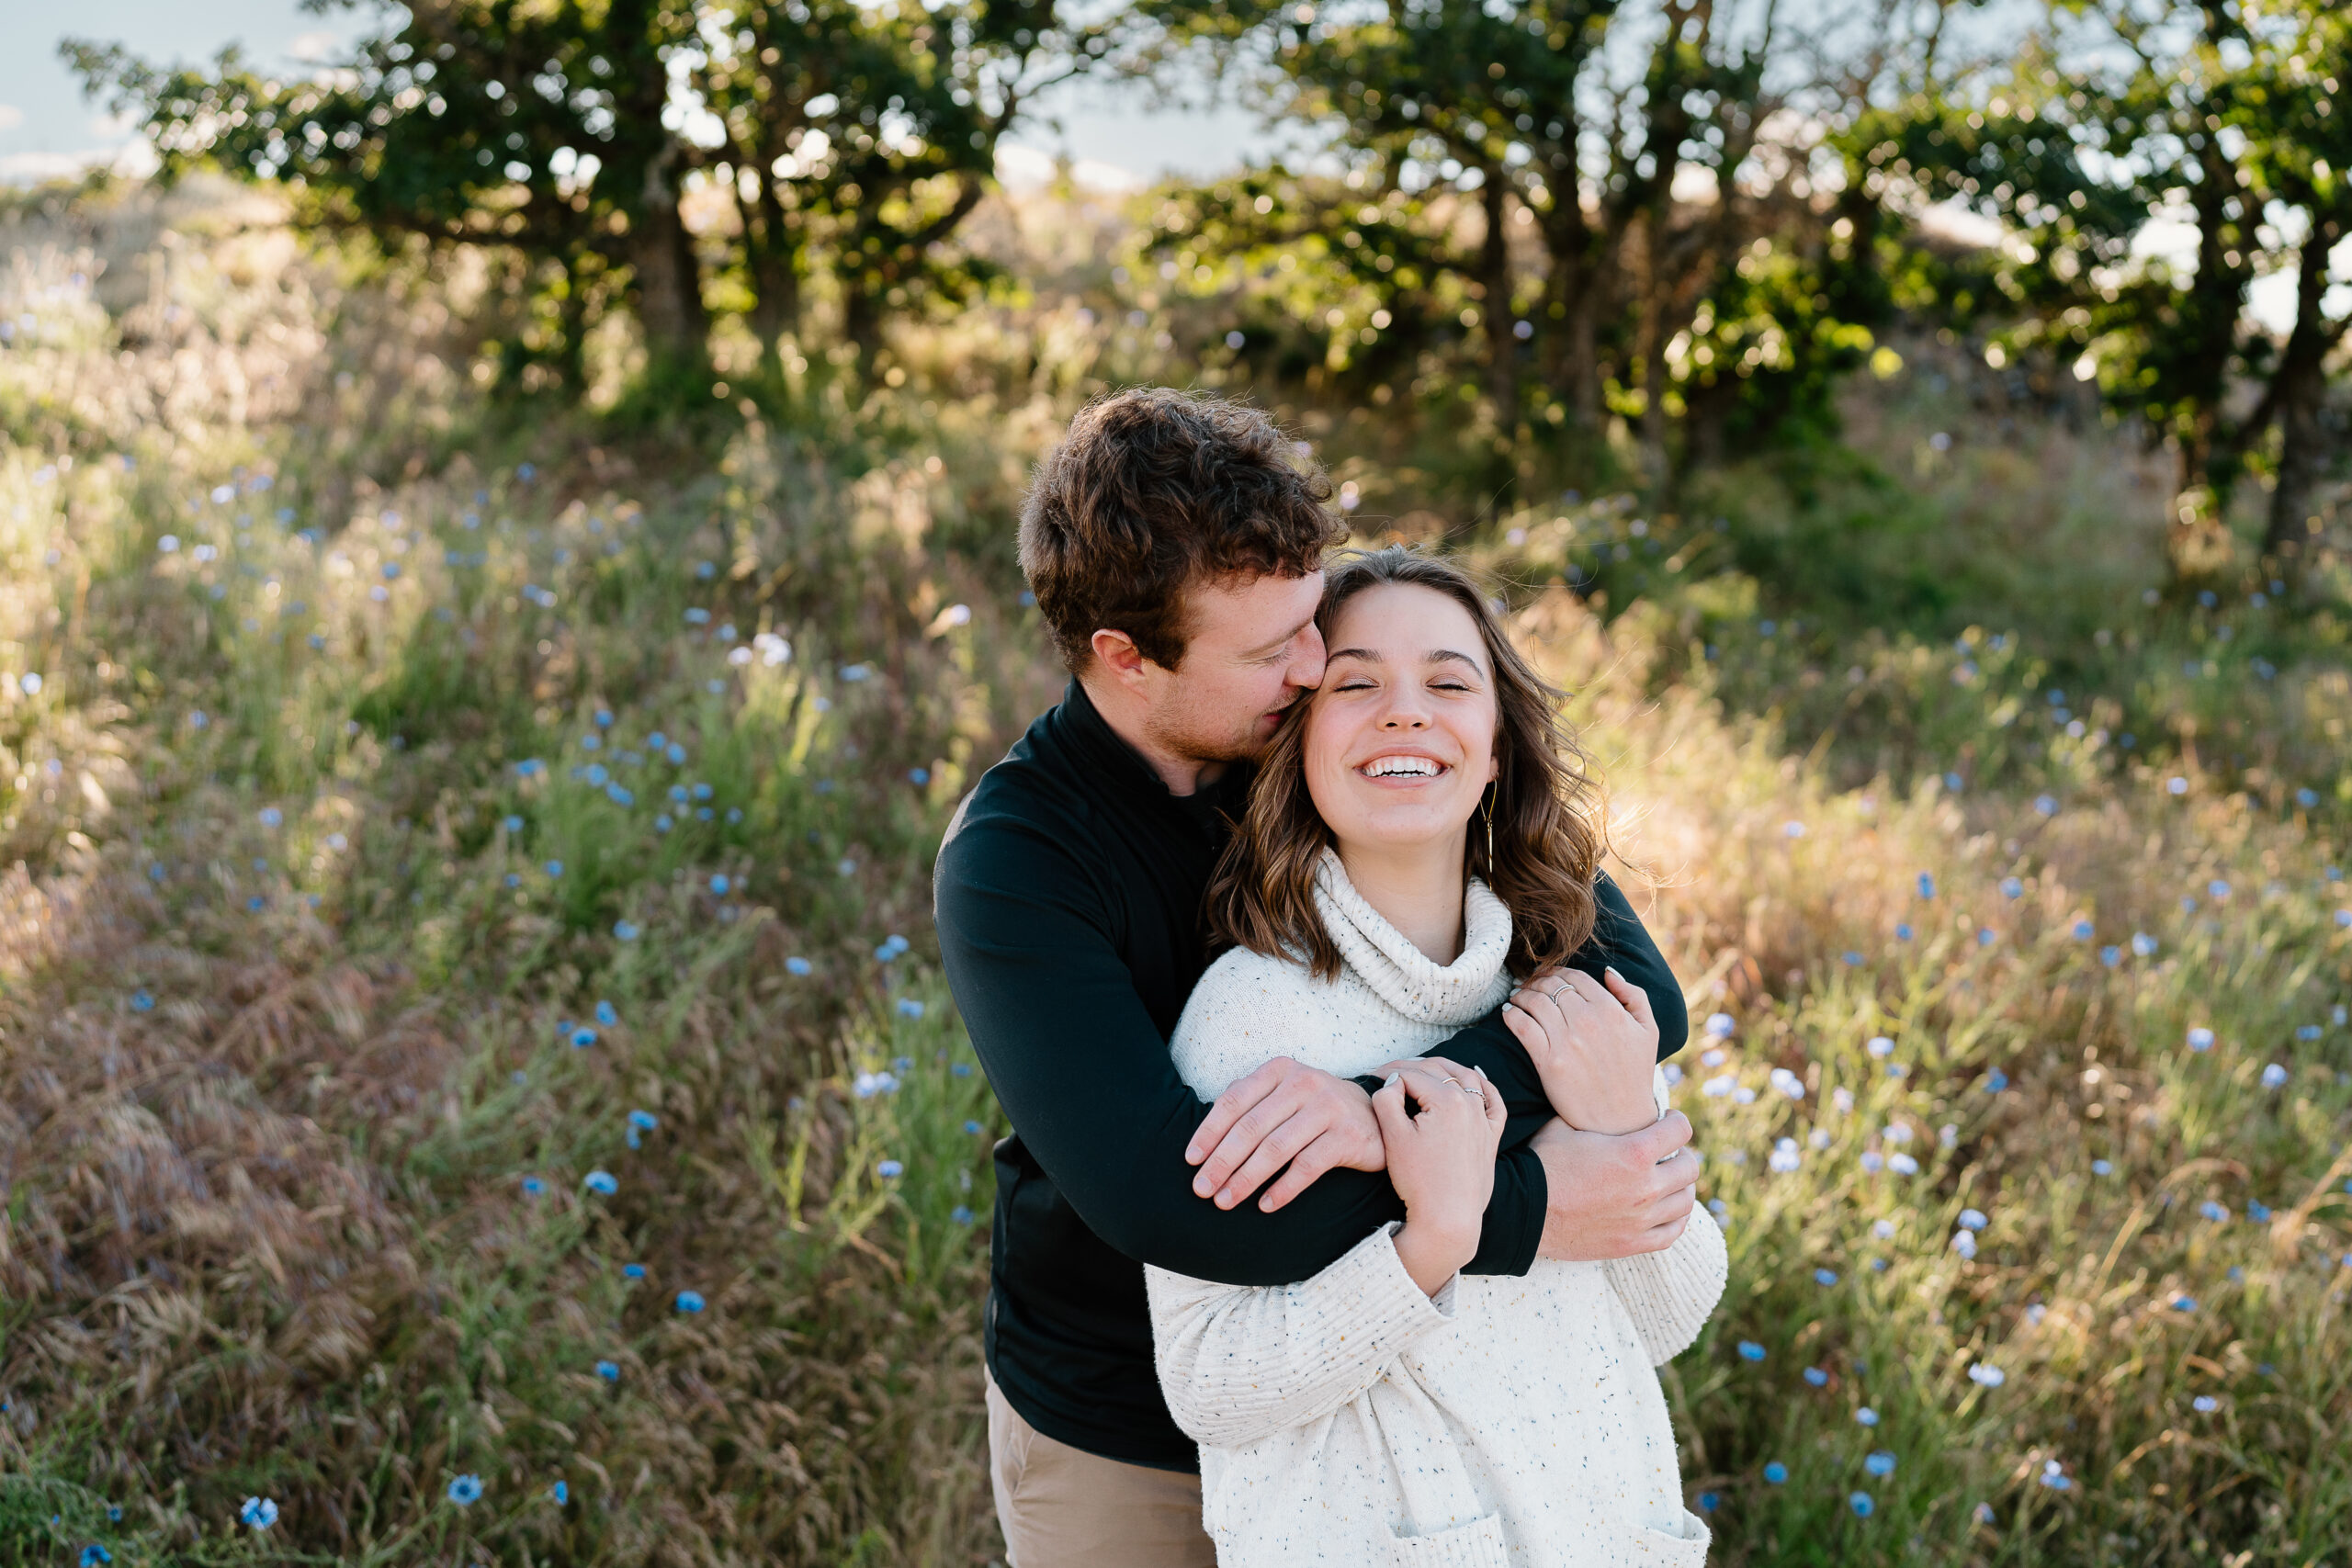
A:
{"points": [[1478, 1544], [1666, 1549]]}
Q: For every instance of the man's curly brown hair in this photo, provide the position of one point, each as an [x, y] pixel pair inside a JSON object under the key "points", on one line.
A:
{"points": [[1152, 490]]}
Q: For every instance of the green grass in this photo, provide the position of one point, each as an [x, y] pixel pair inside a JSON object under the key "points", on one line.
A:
{"points": [[289, 995]]}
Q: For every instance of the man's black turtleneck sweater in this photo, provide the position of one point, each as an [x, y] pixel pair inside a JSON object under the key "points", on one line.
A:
{"points": [[1068, 897]]}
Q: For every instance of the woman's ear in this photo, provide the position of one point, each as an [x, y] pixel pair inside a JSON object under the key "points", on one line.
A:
{"points": [[1494, 764]]}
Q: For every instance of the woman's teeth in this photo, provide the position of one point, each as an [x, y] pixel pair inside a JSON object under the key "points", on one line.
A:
{"points": [[1395, 767]]}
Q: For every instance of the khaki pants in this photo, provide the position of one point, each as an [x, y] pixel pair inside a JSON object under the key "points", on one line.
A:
{"points": [[1062, 1507]]}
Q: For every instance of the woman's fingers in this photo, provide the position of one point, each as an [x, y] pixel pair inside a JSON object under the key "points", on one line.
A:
{"points": [[1492, 1098], [1635, 1000], [1589, 990], [1541, 1012]]}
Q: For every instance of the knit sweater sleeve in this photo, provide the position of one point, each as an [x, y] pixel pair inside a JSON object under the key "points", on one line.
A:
{"points": [[1670, 1295], [1239, 1363]]}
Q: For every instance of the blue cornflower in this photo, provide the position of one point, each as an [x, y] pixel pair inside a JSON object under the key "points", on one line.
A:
{"points": [[271, 817], [1709, 1502], [602, 1181], [972, 1128], [2102, 1167], [1971, 1220], [2201, 1039], [619, 794], [604, 718], [2012, 888], [846, 866], [561, 1493], [909, 1008], [1903, 930], [1881, 1463], [583, 1037], [555, 868], [798, 966], [1866, 1415], [2217, 888], [466, 1491], [605, 1014], [643, 1121], [2085, 931], [1817, 1377], [140, 1002], [661, 823], [2259, 1213], [1861, 1504], [2054, 1476], [2213, 1212], [609, 1370], [675, 752], [2047, 804], [1776, 1473], [533, 1186], [1996, 1081], [1987, 1375], [633, 1270], [1985, 936], [2205, 1404], [2110, 956], [2184, 1304], [690, 1301], [1926, 885], [2273, 1075], [513, 823], [2307, 799], [889, 1170], [93, 1554], [1750, 1351], [2307, 1032], [918, 775], [719, 884], [259, 1512], [1825, 1276], [961, 1070], [1853, 960], [960, 1215], [701, 791], [625, 931]]}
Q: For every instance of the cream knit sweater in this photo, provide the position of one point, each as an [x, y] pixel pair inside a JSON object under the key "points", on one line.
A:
{"points": [[1353, 1420]]}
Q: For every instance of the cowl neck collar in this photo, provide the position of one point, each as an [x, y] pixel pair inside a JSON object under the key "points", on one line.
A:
{"points": [[1402, 974]]}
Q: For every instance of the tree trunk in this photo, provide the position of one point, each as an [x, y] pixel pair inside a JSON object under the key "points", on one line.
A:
{"points": [[2299, 391], [774, 261], [1572, 292], [1494, 274], [668, 283], [1650, 348]]}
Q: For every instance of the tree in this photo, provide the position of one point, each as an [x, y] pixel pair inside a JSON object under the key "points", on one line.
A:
{"points": [[529, 129], [2219, 118]]}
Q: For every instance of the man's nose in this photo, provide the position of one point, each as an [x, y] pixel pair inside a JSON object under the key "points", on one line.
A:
{"points": [[1307, 660]]}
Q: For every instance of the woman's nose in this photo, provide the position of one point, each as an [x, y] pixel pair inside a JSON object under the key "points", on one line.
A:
{"points": [[1405, 714]]}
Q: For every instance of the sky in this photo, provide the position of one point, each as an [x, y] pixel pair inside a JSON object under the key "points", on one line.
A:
{"points": [[48, 128]]}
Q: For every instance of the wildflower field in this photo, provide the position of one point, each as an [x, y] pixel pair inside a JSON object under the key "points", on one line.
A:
{"points": [[475, 1080]]}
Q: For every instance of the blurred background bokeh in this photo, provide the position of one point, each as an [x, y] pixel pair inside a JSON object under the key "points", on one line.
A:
{"points": [[506, 567]]}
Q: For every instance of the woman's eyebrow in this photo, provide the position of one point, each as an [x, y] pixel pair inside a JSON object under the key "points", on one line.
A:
{"points": [[1366, 654], [1436, 655]]}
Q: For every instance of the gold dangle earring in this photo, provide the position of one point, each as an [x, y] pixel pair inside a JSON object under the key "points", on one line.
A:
{"points": [[1487, 810]]}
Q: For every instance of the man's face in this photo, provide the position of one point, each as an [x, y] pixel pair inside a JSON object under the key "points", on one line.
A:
{"points": [[1252, 651]]}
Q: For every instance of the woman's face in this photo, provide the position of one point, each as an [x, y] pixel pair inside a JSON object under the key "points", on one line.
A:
{"points": [[1400, 738]]}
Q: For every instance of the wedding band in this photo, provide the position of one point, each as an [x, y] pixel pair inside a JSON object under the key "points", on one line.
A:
{"points": [[1553, 995]]}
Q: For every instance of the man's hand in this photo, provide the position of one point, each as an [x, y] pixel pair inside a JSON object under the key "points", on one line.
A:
{"points": [[1615, 1196], [1282, 1114]]}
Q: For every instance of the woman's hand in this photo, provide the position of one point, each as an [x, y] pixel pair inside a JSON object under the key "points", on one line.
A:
{"points": [[1594, 1045], [1441, 1162]]}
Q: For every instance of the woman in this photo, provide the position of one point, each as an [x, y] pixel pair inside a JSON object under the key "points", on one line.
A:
{"points": [[1392, 1409]]}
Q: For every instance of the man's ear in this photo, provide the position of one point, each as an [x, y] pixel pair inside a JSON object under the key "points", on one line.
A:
{"points": [[1117, 653]]}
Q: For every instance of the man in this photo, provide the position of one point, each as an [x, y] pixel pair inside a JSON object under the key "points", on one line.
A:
{"points": [[1174, 549]]}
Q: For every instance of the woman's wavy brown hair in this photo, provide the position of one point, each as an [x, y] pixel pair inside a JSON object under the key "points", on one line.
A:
{"points": [[1548, 824]]}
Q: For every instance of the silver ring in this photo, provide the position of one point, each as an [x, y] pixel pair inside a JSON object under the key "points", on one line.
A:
{"points": [[1553, 995]]}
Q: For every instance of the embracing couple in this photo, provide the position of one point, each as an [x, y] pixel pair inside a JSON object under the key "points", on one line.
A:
{"points": [[1343, 1221]]}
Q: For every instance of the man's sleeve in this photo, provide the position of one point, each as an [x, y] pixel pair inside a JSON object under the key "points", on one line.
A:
{"points": [[1618, 939], [1086, 1079]]}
